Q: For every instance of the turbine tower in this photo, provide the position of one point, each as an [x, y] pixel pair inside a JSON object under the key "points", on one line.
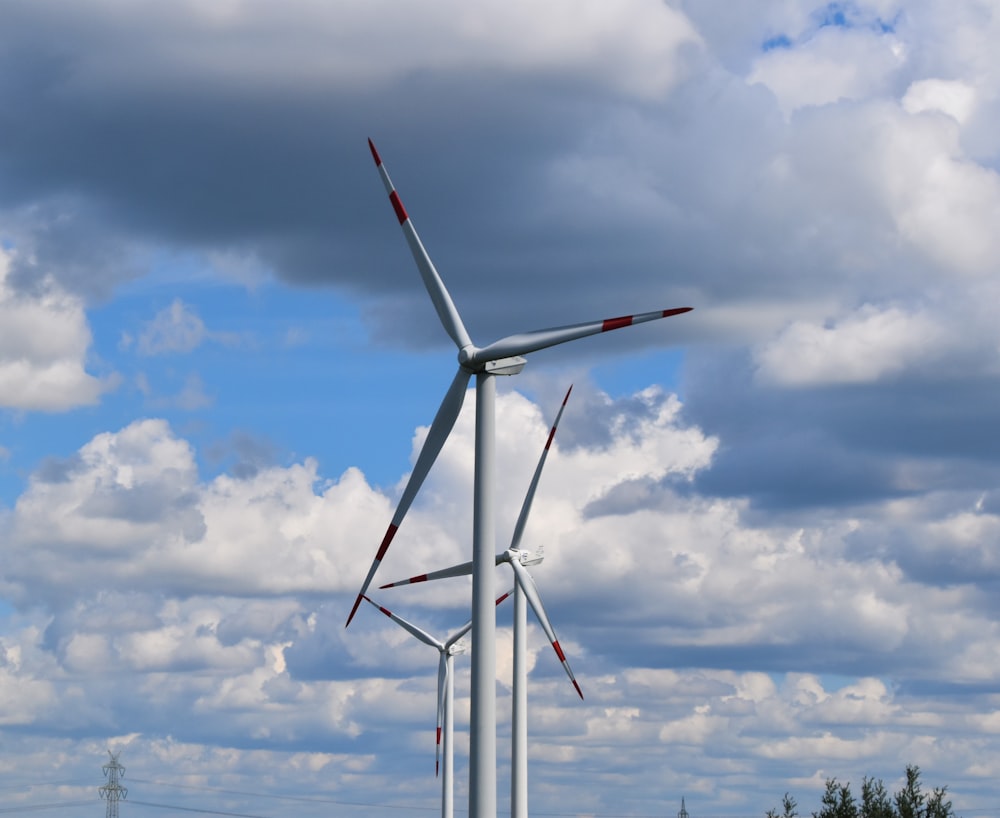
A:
{"points": [[447, 651], [113, 792], [502, 357], [524, 592]]}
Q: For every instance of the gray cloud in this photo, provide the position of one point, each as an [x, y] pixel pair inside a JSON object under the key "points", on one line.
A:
{"points": [[796, 559]]}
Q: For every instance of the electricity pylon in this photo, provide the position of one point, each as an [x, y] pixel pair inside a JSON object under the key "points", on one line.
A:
{"points": [[113, 792]]}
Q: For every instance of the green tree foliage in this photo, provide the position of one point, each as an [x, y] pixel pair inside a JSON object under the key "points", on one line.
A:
{"points": [[910, 802], [875, 801], [789, 805], [837, 801]]}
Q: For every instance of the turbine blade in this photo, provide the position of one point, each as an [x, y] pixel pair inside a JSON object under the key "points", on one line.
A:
{"points": [[527, 585], [443, 423], [442, 687], [422, 635], [530, 496], [526, 342], [455, 571], [445, 307], [451, 640], [462, 570]]}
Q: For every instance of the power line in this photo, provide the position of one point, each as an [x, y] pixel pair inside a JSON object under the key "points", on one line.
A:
{"points": [[40, 807], [300, 798], [374, 805], [197, 809]]}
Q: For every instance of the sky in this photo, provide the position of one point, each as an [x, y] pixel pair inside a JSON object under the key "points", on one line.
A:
{"points": [[770, 525]]}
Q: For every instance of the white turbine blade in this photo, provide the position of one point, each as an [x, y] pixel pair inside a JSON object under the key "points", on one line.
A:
{"points": [[445, 307], [422, 635], [462, 570], [527, 585], [451, 640], [468, 625], [443, 423], [455, 571], [442, 687], [525, 342], [530, 496]]}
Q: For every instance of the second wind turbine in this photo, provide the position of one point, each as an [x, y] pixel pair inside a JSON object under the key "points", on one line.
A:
{"points": [[502, 357]]}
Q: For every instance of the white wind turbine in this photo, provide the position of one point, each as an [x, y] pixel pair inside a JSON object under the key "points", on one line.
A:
{"points": [[447, 651], [502, 357], [524, 589]]}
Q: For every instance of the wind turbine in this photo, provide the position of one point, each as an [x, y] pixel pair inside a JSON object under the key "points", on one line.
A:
{"points": [[447, 650], [524, 589], [502, 357]]}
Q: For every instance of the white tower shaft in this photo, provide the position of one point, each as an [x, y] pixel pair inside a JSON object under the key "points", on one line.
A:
{"points": [[483, 718]]}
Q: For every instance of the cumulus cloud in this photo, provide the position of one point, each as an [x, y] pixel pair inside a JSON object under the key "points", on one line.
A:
{"points": [[564, 38], [793, 560], [836, 64], [135, 493], [867, 345], [43, 354], [686, 626], [952, 97]]}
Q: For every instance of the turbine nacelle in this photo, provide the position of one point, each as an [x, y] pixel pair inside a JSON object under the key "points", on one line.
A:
{"points": [[472, 360], [505, 366], [526, 558]]}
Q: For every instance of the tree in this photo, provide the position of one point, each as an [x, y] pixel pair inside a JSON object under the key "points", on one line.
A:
{"points": [[875, 802], [937, 807], [837, 801], [788, 804], [910, 799], [910, 802]]}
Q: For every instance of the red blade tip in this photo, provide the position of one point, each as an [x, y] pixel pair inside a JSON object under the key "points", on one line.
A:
{"points": [[354, 610], [375, 156]]}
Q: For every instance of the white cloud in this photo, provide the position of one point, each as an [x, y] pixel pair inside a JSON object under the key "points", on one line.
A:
{"points": [[631, 46], [176, 328], [232, 624], [865, 346], [211, 608], [837, 64], [43, 349], [955, 98]]}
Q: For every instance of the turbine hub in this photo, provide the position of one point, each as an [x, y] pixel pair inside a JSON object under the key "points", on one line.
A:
{"points": [[465, 355]]}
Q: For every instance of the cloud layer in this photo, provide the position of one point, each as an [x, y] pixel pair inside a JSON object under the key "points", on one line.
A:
{"points": [[770, 566]]}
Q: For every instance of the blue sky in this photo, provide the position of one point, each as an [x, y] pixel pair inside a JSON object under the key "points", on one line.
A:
{"points": [[769, 525]]}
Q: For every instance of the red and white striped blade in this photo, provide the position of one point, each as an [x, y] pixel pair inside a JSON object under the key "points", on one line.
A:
{"points": [[443, 423], [525, 342], [527, 585], [442, 703], [420, 634], [445, 307], [455, 571], [504, 595], [522, 518]]}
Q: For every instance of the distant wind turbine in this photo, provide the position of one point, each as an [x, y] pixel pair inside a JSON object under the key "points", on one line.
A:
{"points": [[447, 651], [502, 357], [524, 589]]}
